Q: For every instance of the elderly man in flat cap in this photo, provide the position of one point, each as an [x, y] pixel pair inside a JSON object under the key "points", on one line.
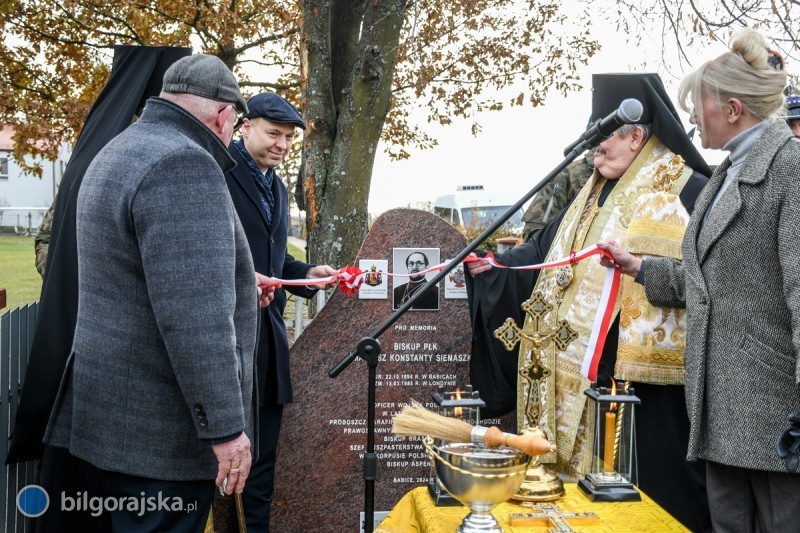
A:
{"points": [[261, 200], [158, 389]]}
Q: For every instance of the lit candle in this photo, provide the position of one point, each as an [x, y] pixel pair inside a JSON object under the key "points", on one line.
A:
{"points": [[458, 411], [618, 431], [608, 450]]}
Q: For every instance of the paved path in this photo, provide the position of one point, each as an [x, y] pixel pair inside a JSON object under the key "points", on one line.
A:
{"points": [[298, 242]]}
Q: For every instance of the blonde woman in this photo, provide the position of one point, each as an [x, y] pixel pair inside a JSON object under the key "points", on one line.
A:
{"points": [[740, 283]]}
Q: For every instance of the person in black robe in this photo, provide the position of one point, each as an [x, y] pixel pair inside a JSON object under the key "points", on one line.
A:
{"points": [[662, 424], [136, 75]]}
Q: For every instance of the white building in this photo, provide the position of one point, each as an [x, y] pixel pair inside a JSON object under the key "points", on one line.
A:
{"points": [[25, 198]]}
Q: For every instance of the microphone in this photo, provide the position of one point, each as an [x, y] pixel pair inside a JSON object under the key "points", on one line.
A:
{"points": [[629, 111]]}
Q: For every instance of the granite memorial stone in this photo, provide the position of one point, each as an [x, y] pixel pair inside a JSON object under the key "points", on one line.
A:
{"points": [[319, 474]]}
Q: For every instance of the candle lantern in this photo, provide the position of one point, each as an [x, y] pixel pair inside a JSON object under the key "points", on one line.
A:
{"points": [[612, 473], [462, 404]]}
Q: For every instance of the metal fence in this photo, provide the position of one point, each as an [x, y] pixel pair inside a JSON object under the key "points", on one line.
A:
{"points": [[16, 334], [297, 315], [22, 220]]}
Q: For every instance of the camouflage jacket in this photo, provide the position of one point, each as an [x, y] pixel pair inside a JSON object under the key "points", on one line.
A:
{"points": [[557, 194], [42, 240]]}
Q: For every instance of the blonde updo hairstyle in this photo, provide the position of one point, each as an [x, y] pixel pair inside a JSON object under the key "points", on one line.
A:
{"points": [[744, 73]]}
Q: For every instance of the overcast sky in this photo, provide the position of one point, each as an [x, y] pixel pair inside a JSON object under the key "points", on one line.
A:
{"points": [[518, 146]]}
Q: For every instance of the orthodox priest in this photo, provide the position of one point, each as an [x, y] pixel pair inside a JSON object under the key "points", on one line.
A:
{"points": [[641, 193]]}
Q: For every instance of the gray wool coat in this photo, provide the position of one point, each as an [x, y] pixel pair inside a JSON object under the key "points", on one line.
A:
{"points": [[163, 356], [740, 283]]}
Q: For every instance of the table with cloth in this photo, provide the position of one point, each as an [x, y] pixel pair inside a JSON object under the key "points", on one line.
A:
{"points": [[416, 512]]}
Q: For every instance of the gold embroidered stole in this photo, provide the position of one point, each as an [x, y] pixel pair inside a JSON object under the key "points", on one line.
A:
{"points": [[652, 339], [564, 416]]}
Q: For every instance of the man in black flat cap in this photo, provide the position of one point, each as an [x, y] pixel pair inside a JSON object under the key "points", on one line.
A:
{"points": [[645, 182], [261, 200]]}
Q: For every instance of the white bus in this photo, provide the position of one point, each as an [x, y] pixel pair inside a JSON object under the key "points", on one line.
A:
{"points": [[473, 206]]}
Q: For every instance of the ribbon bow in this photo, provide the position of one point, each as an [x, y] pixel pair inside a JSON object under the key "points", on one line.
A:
{"points": [[350, 279]]}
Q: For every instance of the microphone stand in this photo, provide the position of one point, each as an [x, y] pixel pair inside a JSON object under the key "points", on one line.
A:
{"points": [[369, 348]]}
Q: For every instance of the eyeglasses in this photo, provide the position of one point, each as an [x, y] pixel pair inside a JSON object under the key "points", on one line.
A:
{"points": [[233, 116], [417, 263]]}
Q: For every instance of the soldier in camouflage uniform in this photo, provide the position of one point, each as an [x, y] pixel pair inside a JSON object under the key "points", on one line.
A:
{"points": [[557, 194], [42, 240]]}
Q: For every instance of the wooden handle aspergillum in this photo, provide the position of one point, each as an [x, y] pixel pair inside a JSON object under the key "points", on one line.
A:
{"points": [[533, 445]]}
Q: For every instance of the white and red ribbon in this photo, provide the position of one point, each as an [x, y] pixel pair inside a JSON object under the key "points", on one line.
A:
{"points": [[350, 279], [605, 310]]}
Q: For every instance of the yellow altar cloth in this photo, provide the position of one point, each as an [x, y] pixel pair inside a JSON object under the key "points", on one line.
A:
{"points": [[416, 512]]}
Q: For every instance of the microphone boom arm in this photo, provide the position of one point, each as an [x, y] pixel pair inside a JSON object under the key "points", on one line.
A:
{"points": [[471, 247], [369, 348]]}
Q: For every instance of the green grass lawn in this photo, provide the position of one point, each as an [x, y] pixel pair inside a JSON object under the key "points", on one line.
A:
{"points": [[18, 275], [297, 253]]}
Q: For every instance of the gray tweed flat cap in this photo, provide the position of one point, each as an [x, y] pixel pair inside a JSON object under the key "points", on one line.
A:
{"points": [[206, 76]]}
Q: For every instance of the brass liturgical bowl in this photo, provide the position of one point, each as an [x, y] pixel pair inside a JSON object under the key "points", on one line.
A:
{"points": [[480, 479]]}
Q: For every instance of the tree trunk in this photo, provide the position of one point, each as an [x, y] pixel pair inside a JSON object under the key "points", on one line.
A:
{"points": [[345, 114]]}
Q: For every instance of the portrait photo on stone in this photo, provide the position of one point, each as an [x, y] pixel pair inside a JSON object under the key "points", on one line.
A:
{"points": [[413, 261]]}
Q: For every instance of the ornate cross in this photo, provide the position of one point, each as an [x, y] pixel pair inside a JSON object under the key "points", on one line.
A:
{"points": [[550, 515], [539, 336]]}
